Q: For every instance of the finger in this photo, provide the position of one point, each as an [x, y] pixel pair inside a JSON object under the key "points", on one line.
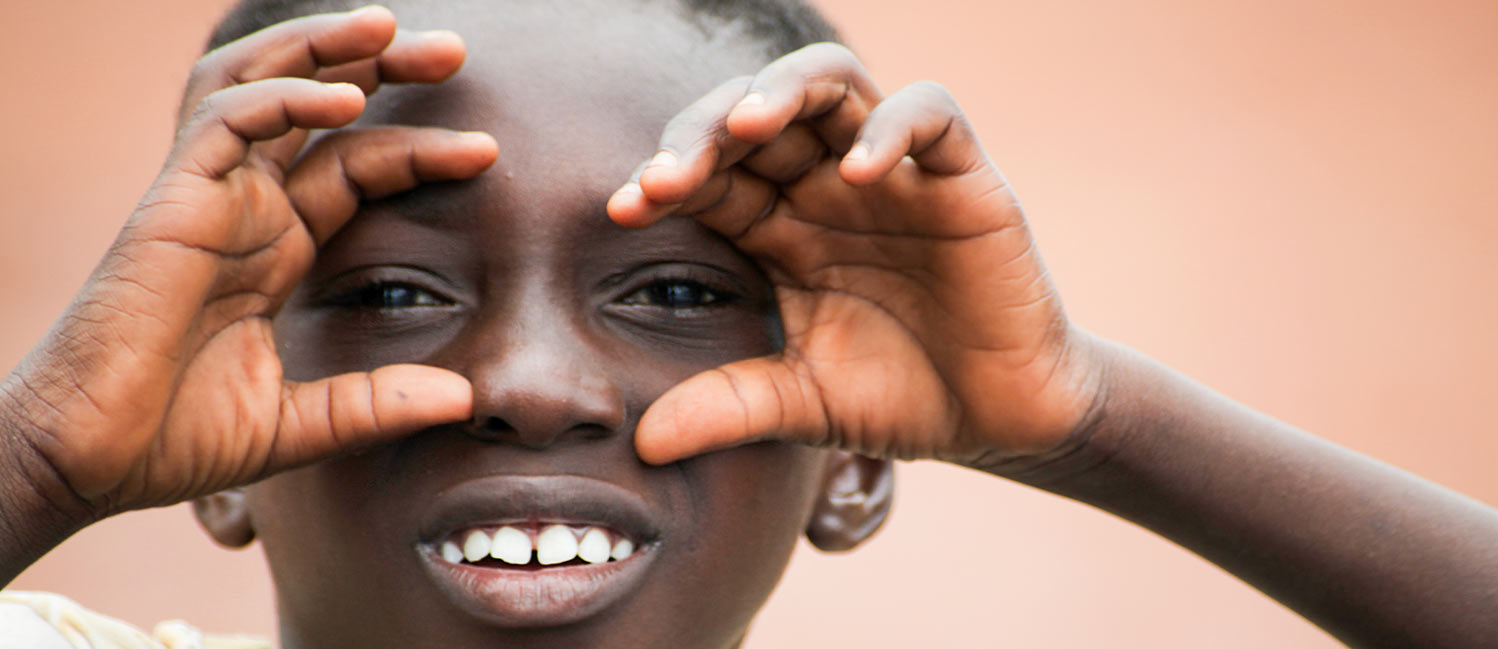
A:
{"points": [[295, 48], [357, 410], [824, 83], [738, 403], [733, 202], [349, 166], [219, 134], [413, 57], [789, 156], [922, 121], [282, 151], [693, 145]]}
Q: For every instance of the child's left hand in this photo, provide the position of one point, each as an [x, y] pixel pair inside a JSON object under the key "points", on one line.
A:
{"points": [[919, 318]]}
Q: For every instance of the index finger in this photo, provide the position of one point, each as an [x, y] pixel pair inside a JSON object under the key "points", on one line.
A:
{"points": [[823, 83], [302, 47]]}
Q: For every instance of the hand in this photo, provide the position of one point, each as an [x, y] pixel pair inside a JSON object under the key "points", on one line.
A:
{"points": [[161, 381], [919, 319]]}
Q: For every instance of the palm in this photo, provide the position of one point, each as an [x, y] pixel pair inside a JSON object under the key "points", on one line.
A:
{"points": [[217, 276], [920, 321], [898, 296]]}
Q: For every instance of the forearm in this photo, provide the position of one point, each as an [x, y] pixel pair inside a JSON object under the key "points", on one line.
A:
{"points": [[37, 509], [1374, 555]]}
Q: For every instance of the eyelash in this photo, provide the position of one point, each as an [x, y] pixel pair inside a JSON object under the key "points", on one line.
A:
{"points": [[660, 293], [386, 296], [670, 293]]}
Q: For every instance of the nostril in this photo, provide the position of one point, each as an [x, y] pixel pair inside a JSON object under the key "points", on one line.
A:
{"points": [[490, 428]]}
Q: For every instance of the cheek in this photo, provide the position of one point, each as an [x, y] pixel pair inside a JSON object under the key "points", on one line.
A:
{"points": [[750, 507], [338, 557], [316, 343], [649, 365]]}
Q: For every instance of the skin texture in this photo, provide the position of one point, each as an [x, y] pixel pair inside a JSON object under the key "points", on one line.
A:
{"points": [[918, 321], [561, 352], [564, 352], [161, 380]]}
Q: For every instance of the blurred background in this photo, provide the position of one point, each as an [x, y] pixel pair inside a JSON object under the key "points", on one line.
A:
{"points": [[1296, 203]]}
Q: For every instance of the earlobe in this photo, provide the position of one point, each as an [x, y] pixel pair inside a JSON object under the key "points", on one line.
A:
{"points": [[226, 517], [857, 492]]}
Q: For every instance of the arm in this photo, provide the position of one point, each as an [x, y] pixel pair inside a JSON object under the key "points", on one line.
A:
{"points": [[36, 512], [921, 323], [1376, 556]]}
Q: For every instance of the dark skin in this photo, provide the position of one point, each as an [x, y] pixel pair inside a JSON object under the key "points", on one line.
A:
{"points": [[918, 322], [564, 351]]}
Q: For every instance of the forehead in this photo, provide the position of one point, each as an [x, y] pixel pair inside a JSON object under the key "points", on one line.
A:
{"points": [[572, 90]]}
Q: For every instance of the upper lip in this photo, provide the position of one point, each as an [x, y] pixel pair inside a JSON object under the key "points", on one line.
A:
{"points": [[500, 500]]}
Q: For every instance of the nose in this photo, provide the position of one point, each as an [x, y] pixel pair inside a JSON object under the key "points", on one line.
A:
{"points": [[536, 386]]}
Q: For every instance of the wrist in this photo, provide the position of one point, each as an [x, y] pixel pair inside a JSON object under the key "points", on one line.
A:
{"points": [[1103, 374], [38, 510]]}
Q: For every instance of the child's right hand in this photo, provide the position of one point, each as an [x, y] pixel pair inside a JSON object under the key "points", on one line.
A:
{"points": [[161, 381]]}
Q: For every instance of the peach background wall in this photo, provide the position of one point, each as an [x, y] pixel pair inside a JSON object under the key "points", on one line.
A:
{"points": [[1294, 202]]}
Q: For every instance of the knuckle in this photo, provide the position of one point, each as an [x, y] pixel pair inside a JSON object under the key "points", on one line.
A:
{"points": [[933, 91], [209, 107], [934, 100], [740, 82], [830, 52], [840, 61], [208, 66], [935, 97], [691, 127], [736, 87]]}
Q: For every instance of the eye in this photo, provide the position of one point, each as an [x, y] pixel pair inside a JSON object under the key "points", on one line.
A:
{"points": [[387, 295], [676, 294]]}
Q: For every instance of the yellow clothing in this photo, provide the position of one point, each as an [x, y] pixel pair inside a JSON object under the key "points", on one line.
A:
{"points": [[45, 621]]}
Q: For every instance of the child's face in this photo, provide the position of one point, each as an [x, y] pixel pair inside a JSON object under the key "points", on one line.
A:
{"points": [[568, 327]]}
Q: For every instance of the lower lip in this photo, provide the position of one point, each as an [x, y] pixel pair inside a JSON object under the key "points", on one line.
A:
{"points": [[538, 598]]}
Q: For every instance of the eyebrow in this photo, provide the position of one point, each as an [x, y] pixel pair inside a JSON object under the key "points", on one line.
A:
{"points": [[435, 205]]}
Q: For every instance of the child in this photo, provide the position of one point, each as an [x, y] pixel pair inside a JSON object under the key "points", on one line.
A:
{"points": [[917, 322]]}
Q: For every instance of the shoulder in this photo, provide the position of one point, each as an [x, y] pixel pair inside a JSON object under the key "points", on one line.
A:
{"points": [[33, 620]]}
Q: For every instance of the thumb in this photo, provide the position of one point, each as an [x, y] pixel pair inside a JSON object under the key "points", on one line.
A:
{"points": [[738, 403], [341, 413]]}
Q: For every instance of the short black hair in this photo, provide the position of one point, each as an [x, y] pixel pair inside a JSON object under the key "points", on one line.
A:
{"points": [[782, 25]]}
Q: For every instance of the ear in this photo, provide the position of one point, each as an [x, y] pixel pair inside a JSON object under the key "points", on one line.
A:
{"points": [[857, 492], [226, 517]]}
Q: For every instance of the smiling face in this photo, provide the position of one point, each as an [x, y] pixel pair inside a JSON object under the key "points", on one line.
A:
{"points": [[568, 327]]}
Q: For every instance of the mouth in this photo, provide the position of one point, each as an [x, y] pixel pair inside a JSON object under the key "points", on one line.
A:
{"points": [[536, 546], [535, 551]]}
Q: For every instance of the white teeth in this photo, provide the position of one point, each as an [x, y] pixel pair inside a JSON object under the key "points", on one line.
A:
{"points": [[476, 546], [622, 550], [556, 544], [594, 548], [511, 546]]}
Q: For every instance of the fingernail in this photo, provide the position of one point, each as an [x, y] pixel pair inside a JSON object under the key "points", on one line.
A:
{"points": [[365, 10], [476, 136], [663, 158], [752, 99], [859, 151], [440, 34], [630, 188]]}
